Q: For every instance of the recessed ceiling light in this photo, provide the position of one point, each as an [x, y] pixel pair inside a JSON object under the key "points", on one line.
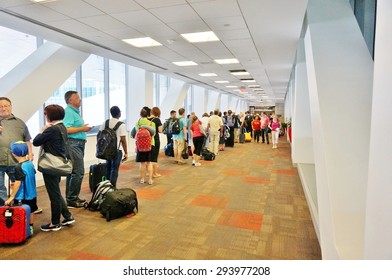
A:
{"points": [[42, 1], [241, 72], [185, 63], [232, 86], [199, 37], [248, 80], [222, 82], [208, 74], [226, 61], [142, 42], [253, 86]]}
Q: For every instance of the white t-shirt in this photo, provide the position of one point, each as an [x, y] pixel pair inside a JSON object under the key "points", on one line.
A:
{"points": [[121, 131]]}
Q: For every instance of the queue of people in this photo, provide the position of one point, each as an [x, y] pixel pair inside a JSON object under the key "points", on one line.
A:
{"points": [[64, 135]]}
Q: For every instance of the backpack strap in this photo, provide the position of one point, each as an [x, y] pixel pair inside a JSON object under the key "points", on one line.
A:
{"points": [[117, 125], [107, 124]]}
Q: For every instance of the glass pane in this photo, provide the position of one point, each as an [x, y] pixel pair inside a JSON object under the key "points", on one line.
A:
{"points": [[163, 86], [34, 125], [117, 91], [93, 97], [58, 95], [14, 48]]}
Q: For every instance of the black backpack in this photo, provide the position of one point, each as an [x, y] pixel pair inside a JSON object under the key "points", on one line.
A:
{"points": [[174, 126], [119, 203], [99, 195], [106, 147]]}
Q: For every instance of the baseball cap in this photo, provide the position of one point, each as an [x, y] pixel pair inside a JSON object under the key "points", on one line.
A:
{"points": [[19, 148]]}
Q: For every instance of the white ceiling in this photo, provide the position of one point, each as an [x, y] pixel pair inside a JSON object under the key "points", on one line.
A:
{"points": [[261, 34]]}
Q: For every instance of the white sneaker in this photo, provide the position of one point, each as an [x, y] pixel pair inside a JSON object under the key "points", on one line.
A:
{"points": [[197, 164]]}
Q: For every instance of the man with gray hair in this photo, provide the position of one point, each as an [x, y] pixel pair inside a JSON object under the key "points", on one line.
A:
{"points": [[76, 129], [215, 128]]}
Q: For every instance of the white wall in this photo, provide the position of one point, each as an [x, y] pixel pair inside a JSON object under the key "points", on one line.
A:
{"points": [[378, 231]]}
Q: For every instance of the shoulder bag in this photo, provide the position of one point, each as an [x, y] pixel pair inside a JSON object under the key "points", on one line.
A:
{"points": [[55, 165]]}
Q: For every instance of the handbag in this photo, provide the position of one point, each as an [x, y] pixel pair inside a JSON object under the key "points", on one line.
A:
{"points": [[55, 165], [185, 154]]}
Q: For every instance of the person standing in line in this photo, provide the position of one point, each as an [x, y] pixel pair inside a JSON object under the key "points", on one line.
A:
{"points": [[275, 127], [264, 120], [173, 115], [205, 120], [222, 135], [51, 139], [256, 126], [11, 129], [24, 189], [76, 129], [198, 139], [145, 157], [113, 165], [179, 139], [155, 118], [215, 128]]}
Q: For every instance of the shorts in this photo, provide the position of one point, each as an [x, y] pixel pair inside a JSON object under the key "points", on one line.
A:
{"points": [[179, 145], [30, 202]]}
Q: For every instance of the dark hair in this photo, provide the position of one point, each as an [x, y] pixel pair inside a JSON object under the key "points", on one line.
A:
{"points": [[115, 111], [54, 112], [205, 115], [181, 111], [6, 99], [143, 113], [148, 110], [156, 111], [68, 95], [172, 112]]}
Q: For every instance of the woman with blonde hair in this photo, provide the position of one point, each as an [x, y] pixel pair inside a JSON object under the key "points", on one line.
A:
{"points": [[274, 125]]}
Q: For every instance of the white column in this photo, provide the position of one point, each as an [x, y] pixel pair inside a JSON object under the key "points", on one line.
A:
{"points": [[340, 74], [199, 101], [378, 227], [37, 77]]}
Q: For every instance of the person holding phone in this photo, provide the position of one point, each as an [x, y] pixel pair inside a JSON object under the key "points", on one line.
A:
{"points": [[76, 129]]}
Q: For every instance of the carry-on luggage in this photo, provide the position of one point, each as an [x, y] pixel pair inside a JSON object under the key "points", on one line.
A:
{"points": [[242, 138], [119, 203], [248, 137], [99, 195], [169, 150], [96, 175], [14, 224], [207, 155]]}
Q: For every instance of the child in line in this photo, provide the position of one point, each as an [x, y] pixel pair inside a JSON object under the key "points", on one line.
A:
{"points": [[24, 189]]}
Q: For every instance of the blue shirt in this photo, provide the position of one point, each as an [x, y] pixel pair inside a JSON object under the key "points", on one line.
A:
{"points": [[181, 134], [72, 118], [25, 172]]}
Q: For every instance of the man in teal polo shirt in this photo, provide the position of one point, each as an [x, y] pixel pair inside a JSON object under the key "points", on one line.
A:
{"points": [[76, 129]]}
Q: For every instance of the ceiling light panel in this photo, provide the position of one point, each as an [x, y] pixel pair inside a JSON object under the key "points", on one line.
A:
{"points": [[227, 61], [208, 74], [222, 82], [185, 63], [200, 37], [241, 72], [142, 42]]}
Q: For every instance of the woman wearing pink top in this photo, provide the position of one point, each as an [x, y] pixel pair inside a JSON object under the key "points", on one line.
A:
{"points": [[198, 140], [274, 125]]}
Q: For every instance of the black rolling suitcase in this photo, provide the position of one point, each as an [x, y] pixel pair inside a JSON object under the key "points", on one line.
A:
{"points": [[96, 175]]}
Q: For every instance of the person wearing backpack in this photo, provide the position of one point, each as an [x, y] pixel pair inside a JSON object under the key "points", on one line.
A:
{"points": [[120, 141], [144, 149], [179, 139]]}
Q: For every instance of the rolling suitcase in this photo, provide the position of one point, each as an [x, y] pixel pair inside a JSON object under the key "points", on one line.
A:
{"points": [[14, 224], [96, 175]]}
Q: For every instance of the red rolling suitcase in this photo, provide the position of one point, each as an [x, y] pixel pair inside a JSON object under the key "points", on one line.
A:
{"points": [[14, 224]]}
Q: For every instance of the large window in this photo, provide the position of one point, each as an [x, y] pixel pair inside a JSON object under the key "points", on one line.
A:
{"points": [[58, 95], [117, 89], [14, 48], [93, 97]]}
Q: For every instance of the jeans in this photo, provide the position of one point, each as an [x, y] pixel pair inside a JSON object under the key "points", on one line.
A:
{"points": [[264, 135], [74, 180], [10, 170], [57, 202], [112, 167]]}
